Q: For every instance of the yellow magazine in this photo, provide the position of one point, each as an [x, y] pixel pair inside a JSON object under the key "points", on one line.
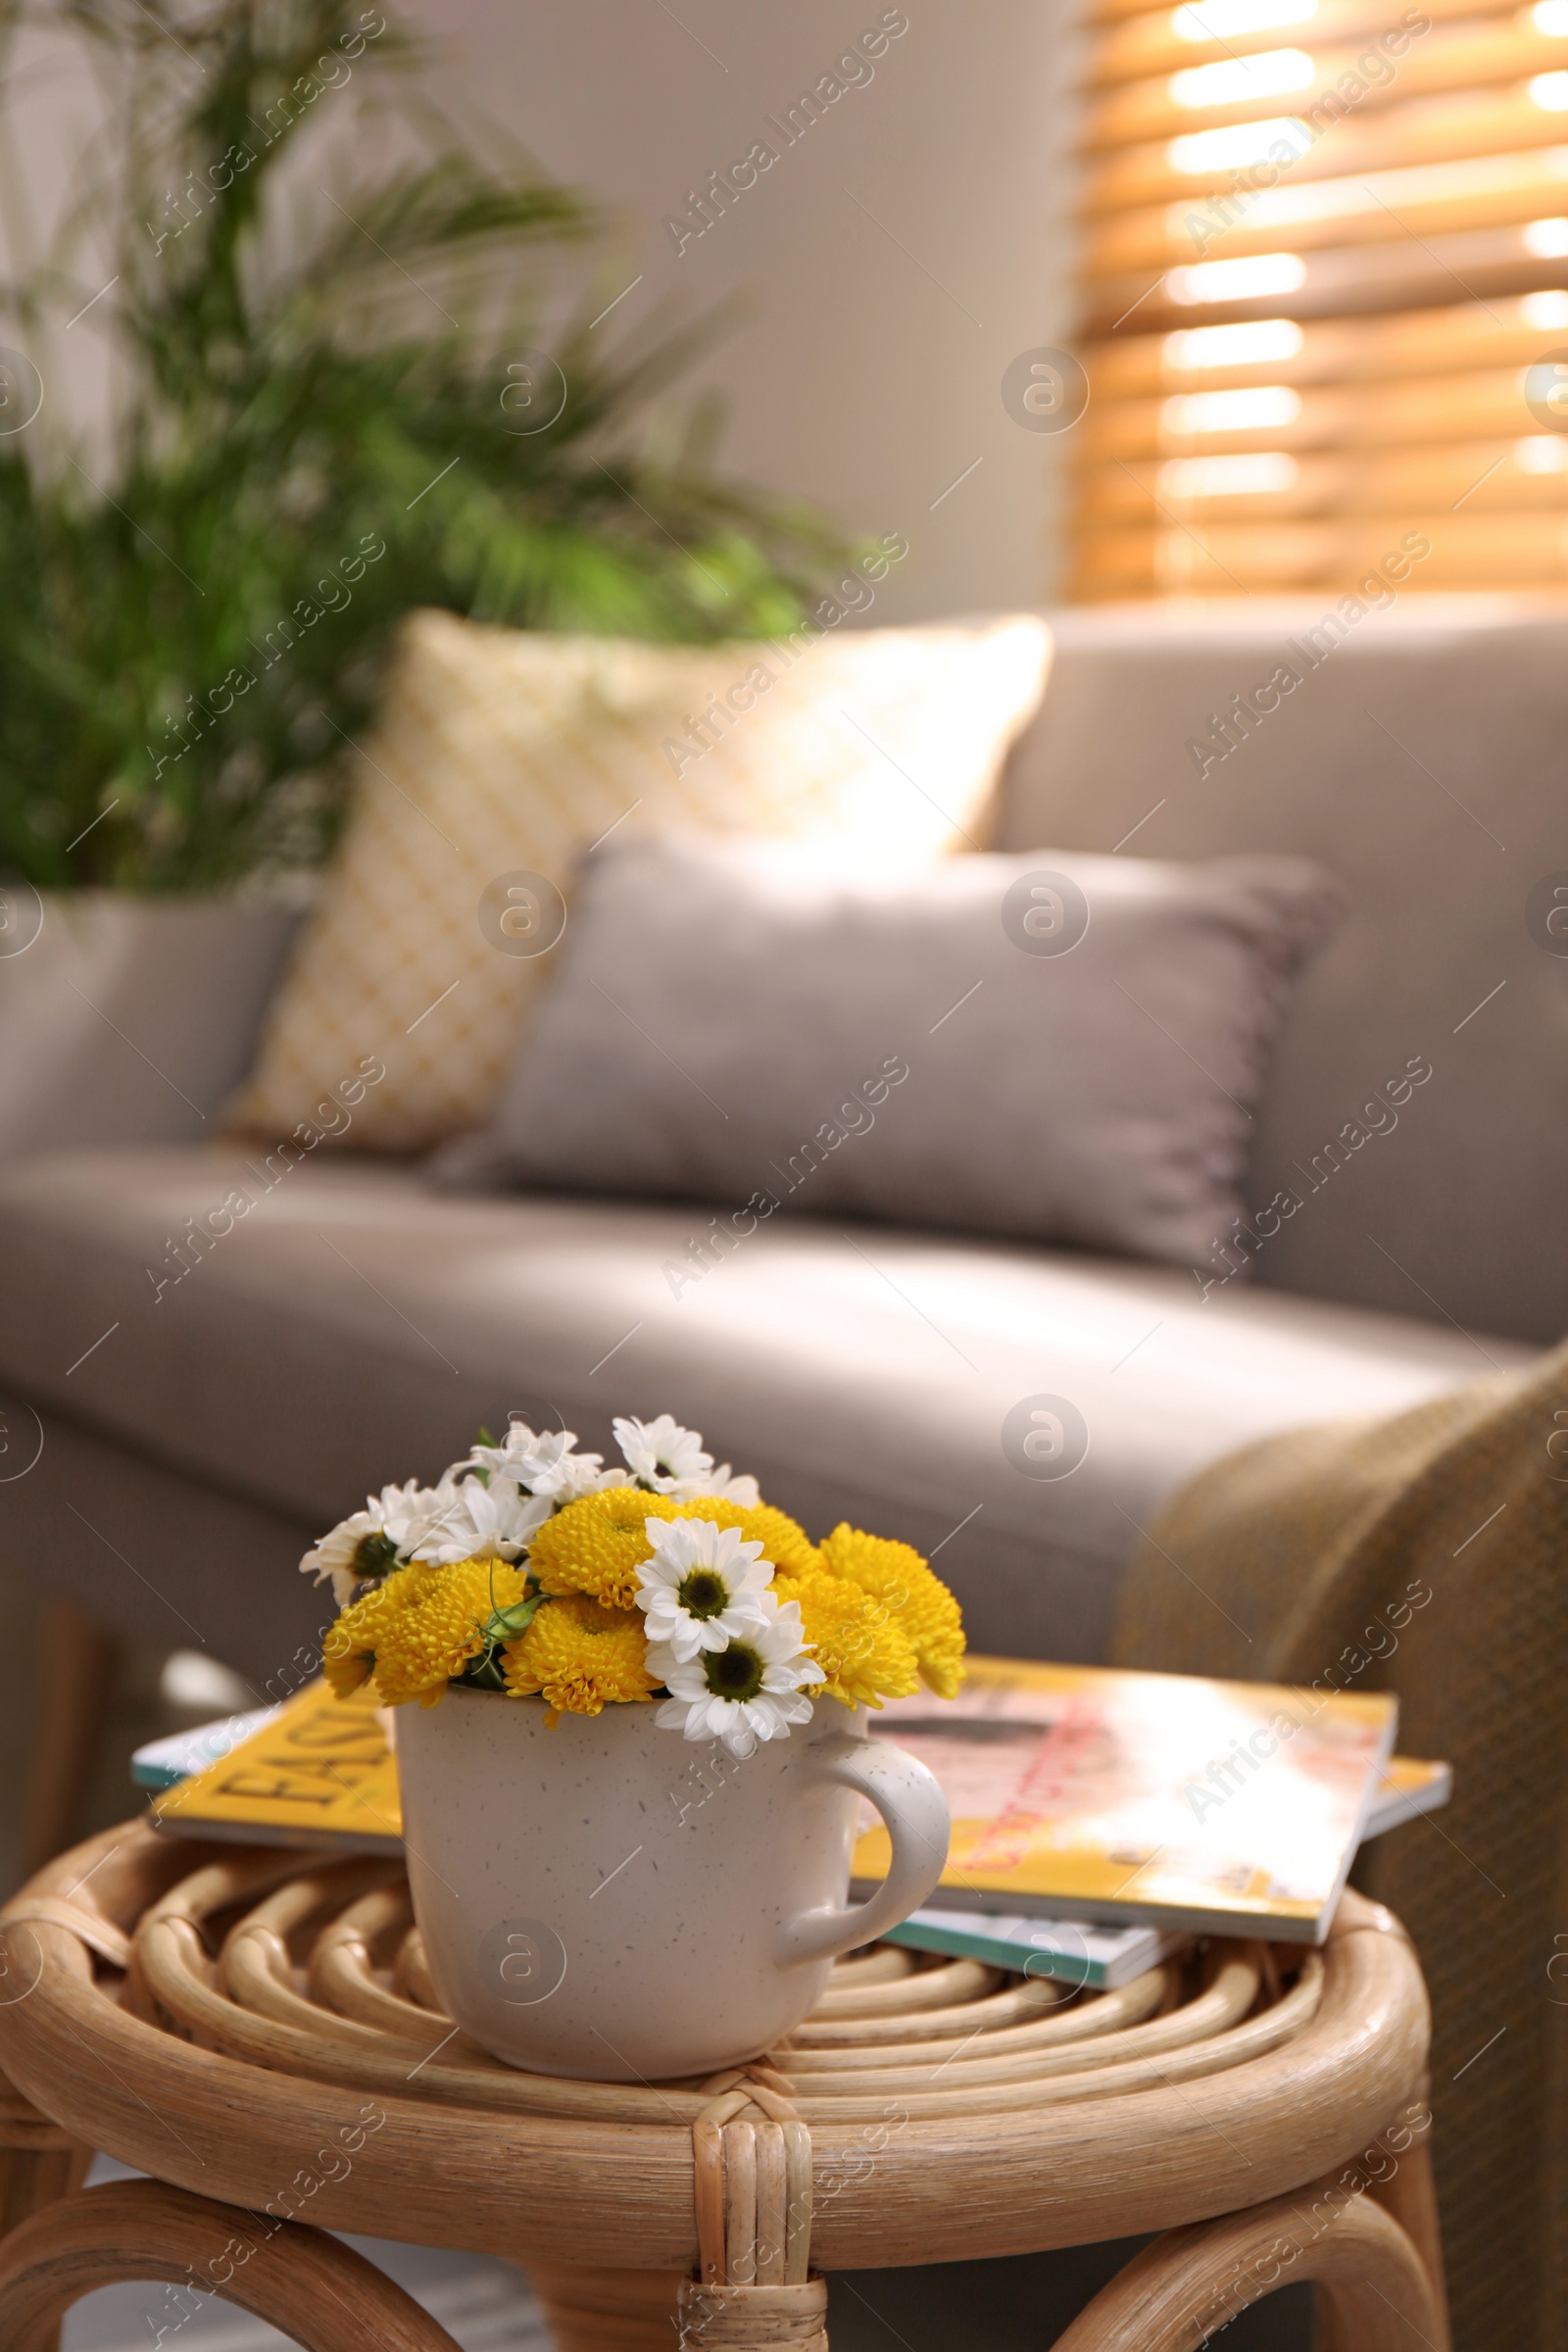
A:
{"points": [[1076, 1792], [319, 1772], [1086, 1793]]}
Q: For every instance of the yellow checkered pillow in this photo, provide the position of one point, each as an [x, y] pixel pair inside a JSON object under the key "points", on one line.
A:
{"points": [[501, 752]]}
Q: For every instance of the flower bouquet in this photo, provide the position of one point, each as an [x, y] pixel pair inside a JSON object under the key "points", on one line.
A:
{"points": [[533, 1571]]}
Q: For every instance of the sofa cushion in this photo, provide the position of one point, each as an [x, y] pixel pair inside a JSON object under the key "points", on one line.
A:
{"points": [[503, 756], [1016, 1411], [1082, 1038], [1420, 756]]}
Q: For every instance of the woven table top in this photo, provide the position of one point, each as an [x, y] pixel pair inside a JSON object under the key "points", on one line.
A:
{"points": [[207, 2012]]}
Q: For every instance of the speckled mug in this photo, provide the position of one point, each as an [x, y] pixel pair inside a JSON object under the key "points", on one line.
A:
{"points": [[612, 1901]]}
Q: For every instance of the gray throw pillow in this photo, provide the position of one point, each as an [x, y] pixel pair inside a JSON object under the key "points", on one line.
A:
{"points": [[1058, 1047]]}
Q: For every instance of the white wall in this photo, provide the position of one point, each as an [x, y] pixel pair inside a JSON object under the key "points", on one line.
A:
{"points": [[869, 376], [867, 373]]}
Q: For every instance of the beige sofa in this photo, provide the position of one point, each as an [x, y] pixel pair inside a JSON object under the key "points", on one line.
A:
{"points": [[359, 1327]]}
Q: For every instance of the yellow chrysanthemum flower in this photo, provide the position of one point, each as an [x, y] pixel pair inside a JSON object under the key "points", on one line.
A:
{"points": [[418, 1630], [597, 1544], [922, 1606], [783, 1539], [579, 1654], [856, 1639]]}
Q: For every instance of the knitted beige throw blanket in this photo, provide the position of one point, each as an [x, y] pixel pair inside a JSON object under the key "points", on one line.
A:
{"points": [[1303, 1559]]}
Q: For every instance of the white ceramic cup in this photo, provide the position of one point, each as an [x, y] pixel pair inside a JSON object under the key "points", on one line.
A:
{"points": [[612, 1901]]}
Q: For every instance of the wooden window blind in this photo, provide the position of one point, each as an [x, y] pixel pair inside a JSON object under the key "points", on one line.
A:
{"points": [[1325, 295]]}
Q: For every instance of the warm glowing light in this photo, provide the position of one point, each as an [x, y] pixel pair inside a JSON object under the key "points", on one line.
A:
{"points": [[1251, 344], [1222, 20], [1235, 146], [1549, 91], [1545, 389], [1549, 17], [1541, 309], [1228, 477], [1548, 240], [1249, 412], [1233, 80], [1543, 452], [1474, 178], [1246, 280]]}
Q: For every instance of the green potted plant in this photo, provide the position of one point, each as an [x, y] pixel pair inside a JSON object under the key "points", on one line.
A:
{"points": [[330, 404]]}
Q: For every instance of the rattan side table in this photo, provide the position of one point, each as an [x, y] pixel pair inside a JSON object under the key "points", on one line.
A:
{"points": [[255, 2029]]}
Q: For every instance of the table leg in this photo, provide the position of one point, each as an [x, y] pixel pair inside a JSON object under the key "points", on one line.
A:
{"points": [[72, 1686], [1373, 2289], [313, 2289], [38, 2165], [1410, 2195], [754, 2319], [606, 2311]]}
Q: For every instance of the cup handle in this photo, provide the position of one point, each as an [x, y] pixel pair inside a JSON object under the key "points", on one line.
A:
{"points": [[910, 1802]]}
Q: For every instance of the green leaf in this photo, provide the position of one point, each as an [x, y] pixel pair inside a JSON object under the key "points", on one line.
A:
{"points": [[304, 376], [504, 1625]]}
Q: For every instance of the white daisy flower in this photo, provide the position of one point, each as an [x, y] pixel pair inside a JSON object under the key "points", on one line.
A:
{"points": [[494, 1520], [664, 1456], [345, 1555], [413, 1512], [523, 1453], [703, 1585], [746, 1691], [370, 1541], [546, 1464], [727, 1487], [575, 1475]]}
